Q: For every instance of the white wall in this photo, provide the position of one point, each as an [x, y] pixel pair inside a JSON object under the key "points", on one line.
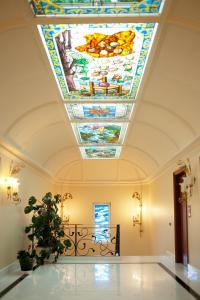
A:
{"points": [[162, 211], [12, 218], [80, 209]]}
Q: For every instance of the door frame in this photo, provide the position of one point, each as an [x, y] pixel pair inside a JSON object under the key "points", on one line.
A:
{"points": [[180, 215]]}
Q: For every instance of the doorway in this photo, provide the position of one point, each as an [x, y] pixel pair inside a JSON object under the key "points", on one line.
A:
{"points": [[180, 221]]}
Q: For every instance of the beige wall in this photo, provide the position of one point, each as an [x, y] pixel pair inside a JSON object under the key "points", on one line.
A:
{"points": [[12, 218], [162, 211], [158, 210], [80, 209]]}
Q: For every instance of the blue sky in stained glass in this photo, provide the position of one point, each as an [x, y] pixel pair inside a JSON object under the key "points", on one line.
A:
{"points": [[99, 111], [102, 221]]}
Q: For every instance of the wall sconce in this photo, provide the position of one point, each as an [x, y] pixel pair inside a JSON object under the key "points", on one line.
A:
{"points": [[137, 218], [188, 181], [11, 185], [65, 218]]}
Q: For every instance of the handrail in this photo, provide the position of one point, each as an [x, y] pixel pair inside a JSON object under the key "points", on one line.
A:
{"points": [[92, 240]]}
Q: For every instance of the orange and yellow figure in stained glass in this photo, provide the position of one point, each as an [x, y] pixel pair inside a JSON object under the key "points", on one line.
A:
{"points": [[101, 45]]}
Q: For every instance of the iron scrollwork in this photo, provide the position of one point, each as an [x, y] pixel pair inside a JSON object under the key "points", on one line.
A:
{"points": [[92, 241]]}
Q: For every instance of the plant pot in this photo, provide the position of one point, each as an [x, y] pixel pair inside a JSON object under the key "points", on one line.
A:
{"points": [[26, 265]]}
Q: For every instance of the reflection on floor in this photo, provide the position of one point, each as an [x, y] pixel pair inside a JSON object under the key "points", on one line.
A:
{"points": [[115, 278]]}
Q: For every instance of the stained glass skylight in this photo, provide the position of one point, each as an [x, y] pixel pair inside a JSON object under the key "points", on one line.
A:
{"points": [[108, 152], [98, 62], [98, 67], [99, 111], [98, 134], [96, 7]]}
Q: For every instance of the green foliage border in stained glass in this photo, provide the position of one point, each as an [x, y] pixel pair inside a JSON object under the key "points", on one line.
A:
{"points": [[48, 32], [58, 8]]}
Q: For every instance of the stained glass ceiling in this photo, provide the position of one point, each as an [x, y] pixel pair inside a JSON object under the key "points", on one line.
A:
{"points": [[98, 67], [96, 7], [100, 152], [105, 111], [98, 61]]}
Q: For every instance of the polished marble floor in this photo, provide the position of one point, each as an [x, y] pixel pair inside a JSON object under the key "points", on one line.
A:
{"points": [[95, 281]]}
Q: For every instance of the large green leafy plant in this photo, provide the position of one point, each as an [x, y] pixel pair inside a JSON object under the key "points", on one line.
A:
{"points": [[46, 228]]}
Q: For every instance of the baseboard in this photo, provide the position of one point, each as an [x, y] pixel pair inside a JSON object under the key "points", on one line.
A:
{"points": [[168, 258], [11, 268], [9, 274]]}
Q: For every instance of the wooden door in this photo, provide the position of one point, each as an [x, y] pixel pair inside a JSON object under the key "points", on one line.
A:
{"points": [[181, 221]]}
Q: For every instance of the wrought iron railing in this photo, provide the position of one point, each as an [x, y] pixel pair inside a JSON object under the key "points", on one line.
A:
{"points": [[87, 240]]}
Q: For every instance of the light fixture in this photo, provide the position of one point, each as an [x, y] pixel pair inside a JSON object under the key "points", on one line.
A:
{"points": [[65, 218], [188, 181], [137, 217], [11, 185]]}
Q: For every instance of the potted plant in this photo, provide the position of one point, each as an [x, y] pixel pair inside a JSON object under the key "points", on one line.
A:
{"points": [[25, 259], [46, 229]]}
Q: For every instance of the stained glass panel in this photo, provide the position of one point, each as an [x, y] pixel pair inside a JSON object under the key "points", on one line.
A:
{"points": [[99, 111], [93, 152], [102, 221], [96, 7], [100, 133], [98, 61]]}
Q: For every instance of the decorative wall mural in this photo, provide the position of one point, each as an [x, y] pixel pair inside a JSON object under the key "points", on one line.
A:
{"points": [[98, 61], [96, 7], [102, 133], [99, 111], [108, 152]]}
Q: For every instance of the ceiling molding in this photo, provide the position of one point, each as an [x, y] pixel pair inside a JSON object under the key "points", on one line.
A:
{"points": [[124, 147], [143, 151], [184, 152], [184, 22], [25, 158], [159, 130], [181, 119], [68, 164], [38, 132], [136, 166], [99, 183], [65, 165], [25, 114], [57, 152]]}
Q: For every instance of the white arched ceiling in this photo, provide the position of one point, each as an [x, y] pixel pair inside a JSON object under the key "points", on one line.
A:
{"points": [[166, 118], [108, 171]]}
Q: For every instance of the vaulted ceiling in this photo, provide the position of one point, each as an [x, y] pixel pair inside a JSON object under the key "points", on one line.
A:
{"points": [[34, 124]]}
